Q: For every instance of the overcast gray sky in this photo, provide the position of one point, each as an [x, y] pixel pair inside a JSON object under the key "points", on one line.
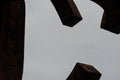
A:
{"points": [[52, 49]]}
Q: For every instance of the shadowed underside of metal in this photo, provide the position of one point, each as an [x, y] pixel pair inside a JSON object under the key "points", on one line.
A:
{"points": [[84, 72], [67, 11], [111, 16], [12, 20]]}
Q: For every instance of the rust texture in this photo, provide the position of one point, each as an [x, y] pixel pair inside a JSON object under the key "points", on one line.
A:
{"points": [[67, 11], [84, 72], [12, 26], [111, 16]]}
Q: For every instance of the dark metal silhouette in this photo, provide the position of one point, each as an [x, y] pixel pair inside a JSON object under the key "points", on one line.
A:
{"points": [[12, 21], [67, 11], [111, 16], [84, 72], [6, 1]]}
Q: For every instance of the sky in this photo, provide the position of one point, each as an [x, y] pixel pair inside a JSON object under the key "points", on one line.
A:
{"points": [[53, 49]]}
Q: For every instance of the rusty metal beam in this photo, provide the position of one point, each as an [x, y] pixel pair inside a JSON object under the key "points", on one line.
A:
{"points": [[6, 1], [84, 72], [67, 11], [111, 16], [12, 27]]}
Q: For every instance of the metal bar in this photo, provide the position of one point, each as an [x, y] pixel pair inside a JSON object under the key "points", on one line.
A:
{"points": [[84, 72], [12, 27], [111, 16], [67, 11]]}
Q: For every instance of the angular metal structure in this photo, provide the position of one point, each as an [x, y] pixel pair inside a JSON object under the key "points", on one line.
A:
{"points": [[84, 72], [111, 16], [12, 27], [67, 11]]}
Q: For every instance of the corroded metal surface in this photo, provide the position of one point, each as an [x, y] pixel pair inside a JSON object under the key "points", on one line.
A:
{"points": [[111, 16], [67, 11], [84, 72], [12, 21]]}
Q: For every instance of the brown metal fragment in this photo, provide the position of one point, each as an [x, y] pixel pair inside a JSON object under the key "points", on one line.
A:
{"points": [[67, 11], [84, 72]]}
